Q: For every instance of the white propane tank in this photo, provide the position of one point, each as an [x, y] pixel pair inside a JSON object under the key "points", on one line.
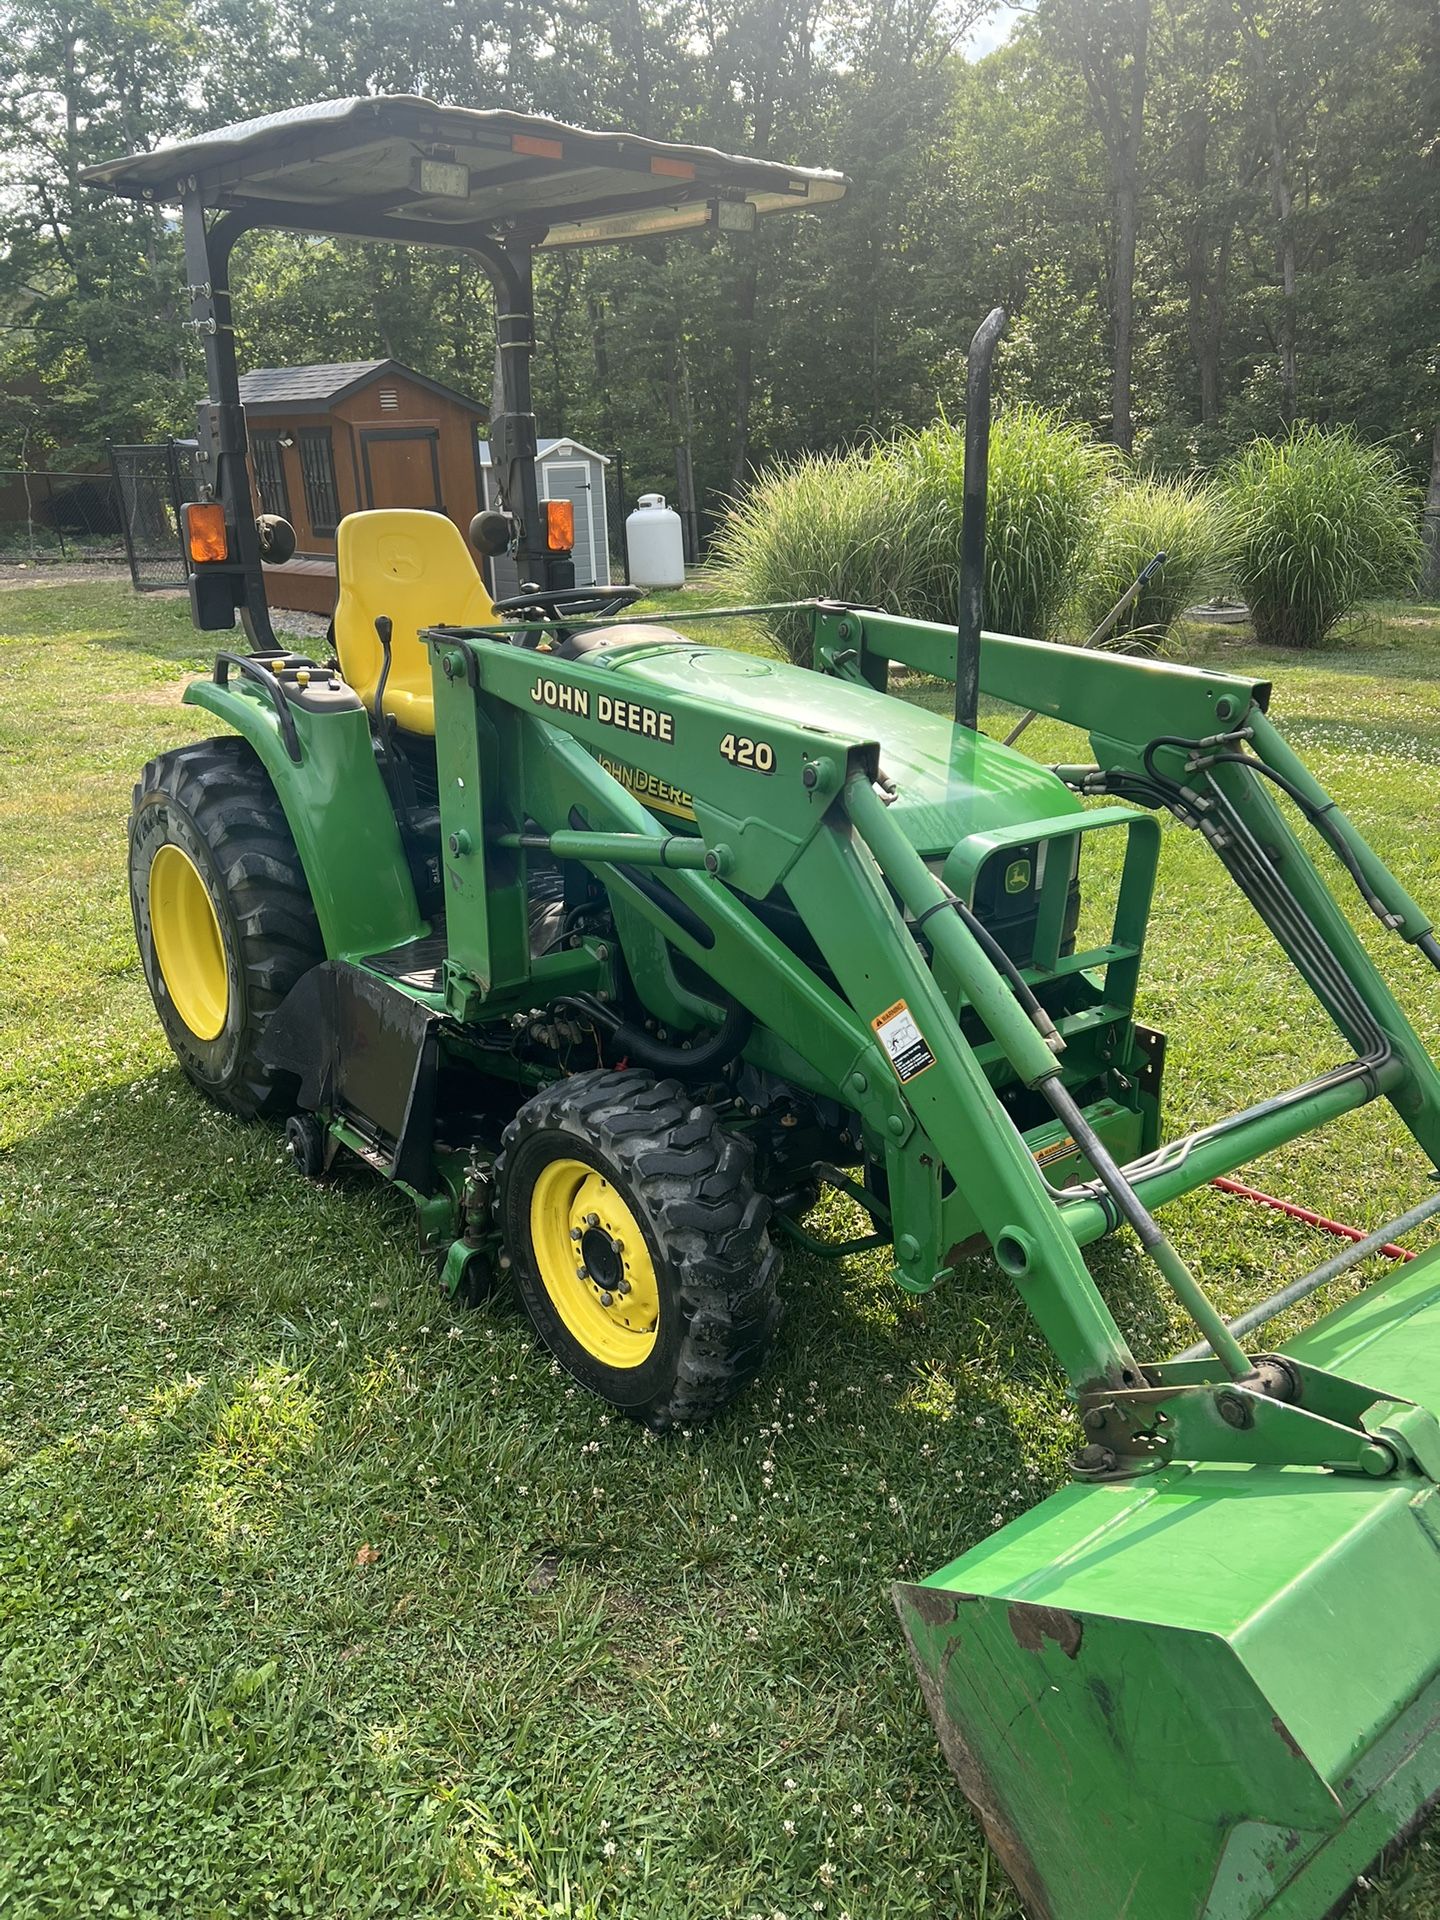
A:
{"points": [[654, 544]]}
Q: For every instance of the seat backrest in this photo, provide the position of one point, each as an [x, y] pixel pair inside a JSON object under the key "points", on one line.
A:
{"points": [[416, 568]]}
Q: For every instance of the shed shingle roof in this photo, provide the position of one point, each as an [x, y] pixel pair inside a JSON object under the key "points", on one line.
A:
{"points": [[323, 382], [314, 388]]}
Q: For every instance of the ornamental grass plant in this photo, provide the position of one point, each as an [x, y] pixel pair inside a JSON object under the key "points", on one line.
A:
{"points": [[1320, 521], [1188, 522]]}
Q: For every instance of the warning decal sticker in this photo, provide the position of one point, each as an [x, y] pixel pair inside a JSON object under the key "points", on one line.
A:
{"points": [[903, 1041], [1054, 1152]]}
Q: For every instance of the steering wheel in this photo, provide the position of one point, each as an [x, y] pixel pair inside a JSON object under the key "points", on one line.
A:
{"points": [[560, 603]]}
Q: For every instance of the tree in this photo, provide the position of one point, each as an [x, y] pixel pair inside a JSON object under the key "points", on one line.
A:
{"points": [[1108, 44], [90, 293], [1206, 218]]}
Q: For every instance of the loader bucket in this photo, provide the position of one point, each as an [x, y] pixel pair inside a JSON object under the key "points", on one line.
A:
{"points": [[1210, 1692]]}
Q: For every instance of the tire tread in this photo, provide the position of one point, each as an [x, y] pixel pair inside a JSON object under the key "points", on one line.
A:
{"points": [[694, 1180], [226, 791]]}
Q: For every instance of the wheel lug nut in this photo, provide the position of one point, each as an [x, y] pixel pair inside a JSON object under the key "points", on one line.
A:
{"points": [[575, 1233], [592, 1219], [607, 1299], [622, 1287]]}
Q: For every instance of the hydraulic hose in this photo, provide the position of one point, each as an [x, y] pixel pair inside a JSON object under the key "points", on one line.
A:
{"points": [[998, 958], [630, 1042], [1278, 906], [725, 1044], [1250, 867], [1319, 818]]}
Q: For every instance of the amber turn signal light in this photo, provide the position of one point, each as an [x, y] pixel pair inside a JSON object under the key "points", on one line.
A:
{"points": [[559, 525], [206, 537]]}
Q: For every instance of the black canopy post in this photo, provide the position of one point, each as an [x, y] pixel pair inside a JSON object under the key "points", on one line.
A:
{"points": [[512, 423], [238, 583], [972, 524]]}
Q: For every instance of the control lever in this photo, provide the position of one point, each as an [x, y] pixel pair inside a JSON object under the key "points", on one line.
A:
{"points": [[384, 628]]}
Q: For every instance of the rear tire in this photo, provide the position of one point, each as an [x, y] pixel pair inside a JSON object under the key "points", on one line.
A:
{"points": [[665, 1303], [224, 922]]}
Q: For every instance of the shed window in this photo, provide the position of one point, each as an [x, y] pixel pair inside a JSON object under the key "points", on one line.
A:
{"points": [[317, 468], [389, 400], [270, 484]]}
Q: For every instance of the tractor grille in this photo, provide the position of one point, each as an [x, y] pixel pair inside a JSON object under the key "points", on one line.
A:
{"points": [[1007, 900]]}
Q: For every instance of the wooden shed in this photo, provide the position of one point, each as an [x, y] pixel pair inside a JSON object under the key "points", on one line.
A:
{"points": [[342, 437]]}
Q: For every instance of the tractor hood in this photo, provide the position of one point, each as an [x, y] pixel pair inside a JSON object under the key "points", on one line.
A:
{"points": [[949, 783]]}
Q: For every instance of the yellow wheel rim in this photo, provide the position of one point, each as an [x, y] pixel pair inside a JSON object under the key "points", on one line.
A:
{"points": [[188, 943], [594, 1263]]}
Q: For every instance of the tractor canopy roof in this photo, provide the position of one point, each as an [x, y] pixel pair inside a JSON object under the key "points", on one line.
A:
{"points": [[395, 164]]}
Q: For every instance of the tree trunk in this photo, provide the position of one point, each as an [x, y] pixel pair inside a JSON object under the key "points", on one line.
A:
{"points": [[371, 270], [1114, 67], [1431, 578], [1282, 200], [72, 121], [1127, 224], [600, 343], [1213, 333], [682, 427], [744, 367]]}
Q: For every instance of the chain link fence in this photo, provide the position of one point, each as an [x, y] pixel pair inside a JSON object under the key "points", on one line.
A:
{"points": [[152, 483], [59, 517]]}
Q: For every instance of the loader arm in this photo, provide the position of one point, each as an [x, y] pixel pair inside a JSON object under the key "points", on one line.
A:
{"points": [[846, 859], [1125, 705]]}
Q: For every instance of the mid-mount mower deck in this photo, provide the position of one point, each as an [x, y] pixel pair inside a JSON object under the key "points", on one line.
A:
{"points": [[610, 947]]}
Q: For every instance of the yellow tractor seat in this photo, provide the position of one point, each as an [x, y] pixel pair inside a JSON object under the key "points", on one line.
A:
{"points": [[415, 569]]}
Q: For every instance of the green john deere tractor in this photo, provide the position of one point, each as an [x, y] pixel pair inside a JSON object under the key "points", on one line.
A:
{"points": [[611, 947]]}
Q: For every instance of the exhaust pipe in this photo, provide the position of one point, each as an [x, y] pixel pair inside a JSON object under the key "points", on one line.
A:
{"points": [[972, 524]]}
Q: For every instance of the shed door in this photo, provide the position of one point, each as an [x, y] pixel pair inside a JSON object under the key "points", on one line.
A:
{"points": [[570, 480], [402, 467]]}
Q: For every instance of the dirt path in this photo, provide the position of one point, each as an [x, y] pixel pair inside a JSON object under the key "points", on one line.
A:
{"points": [[65, 573]]}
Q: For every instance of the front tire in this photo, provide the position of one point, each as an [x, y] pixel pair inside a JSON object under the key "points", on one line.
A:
{"points": [[638, 1244], [223, 916]]}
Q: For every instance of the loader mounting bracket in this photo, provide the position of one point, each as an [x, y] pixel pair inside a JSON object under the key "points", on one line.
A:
{"points": [[1284, 1414]]}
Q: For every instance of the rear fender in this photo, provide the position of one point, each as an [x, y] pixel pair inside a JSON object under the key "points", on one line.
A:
{"points": [[337, 808]]}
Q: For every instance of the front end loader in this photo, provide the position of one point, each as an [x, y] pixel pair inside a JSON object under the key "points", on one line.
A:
{"points": [[611, 947]]}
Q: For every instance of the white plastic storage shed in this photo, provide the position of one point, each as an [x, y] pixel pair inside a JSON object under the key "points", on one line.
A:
{"points": [[566, 470]]}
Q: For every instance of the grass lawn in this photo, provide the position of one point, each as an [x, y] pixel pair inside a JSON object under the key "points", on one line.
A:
{"points": [[322, 1598]]}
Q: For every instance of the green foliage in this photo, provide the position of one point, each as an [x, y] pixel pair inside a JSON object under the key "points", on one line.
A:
{"points": [[1047, 478], [1055, 351], [826, 526], [1185, 520], [882, 527], [1321, 522]]}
